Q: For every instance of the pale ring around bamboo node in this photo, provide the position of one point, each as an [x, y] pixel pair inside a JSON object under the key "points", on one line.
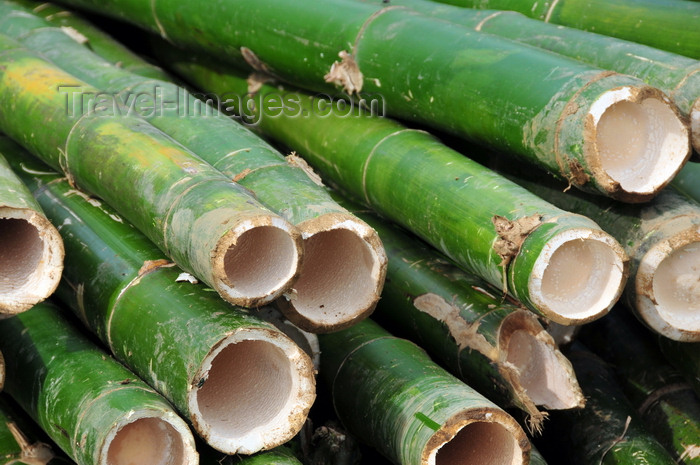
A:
{"points": [[668, 287], [578, 276], [695, 125], [31, 259], [149, 438], [257, 260], [486, 436], [641, 141], [253, 392], [341, 277]]}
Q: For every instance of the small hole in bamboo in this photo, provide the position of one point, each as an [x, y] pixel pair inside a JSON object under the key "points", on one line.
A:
{"points": [[481, 443], [676, 286], [248, 384], [337, 278], [20, 253], [147, 441], [262, 260], [582, 278], [641, 145], [541, 374]]}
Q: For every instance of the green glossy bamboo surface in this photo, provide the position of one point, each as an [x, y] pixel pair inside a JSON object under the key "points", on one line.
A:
{"points": [[688, 181], [21, 442], [678, 76], [388, 393], [112, 276], [71, 388], [665, 401], [607, 431], [459, 320], [281, 455], [180, 202], [229, 147], [94, 38], [451, 201], [666, 24], [458, 88]]}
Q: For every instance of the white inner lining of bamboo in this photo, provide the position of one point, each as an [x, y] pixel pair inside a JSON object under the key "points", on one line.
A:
{"points": [[582, 275], [147, 441], [542, 375], [21, 252], [641, 145], [262, 259], [480, 443], [338, 277], [676, 285]]}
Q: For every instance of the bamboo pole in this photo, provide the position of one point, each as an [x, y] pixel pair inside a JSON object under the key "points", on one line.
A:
{"points": [[567, 122], [92, 407], [685, 357], [678, 76], [344, 266], [498, 348], [662, 239], [644, 21], [486, 224], [31, 255], [204, 222], [607, 431], [278, 456], [243, 384], [20, 441], [388, 393], [687, 181], [665, 402]]}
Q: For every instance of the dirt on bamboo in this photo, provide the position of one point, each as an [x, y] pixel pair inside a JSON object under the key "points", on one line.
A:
{"points": [[344, 264], [207, 224], [242, 383], [93, 408], [31, 255]]}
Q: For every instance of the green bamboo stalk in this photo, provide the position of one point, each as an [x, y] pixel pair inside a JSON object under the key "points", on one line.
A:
{"points": [[678, 76], [666, 24], [388, 393], [92, 407], [607, 431], [20, 440], [190, 345], [210, 226], [664, 400], [662, 239], [330, 294], [31, 258], [94, 38], [500, 349], [685, 357], [457, 205], [688, 181], [423, 79], [536, 458]]}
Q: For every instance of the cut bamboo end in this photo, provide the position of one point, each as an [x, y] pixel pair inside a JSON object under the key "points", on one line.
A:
{"points": [[31, 259], [487, 436], [641, 142], [578, 276], [541, 370], [342, 274], [148, 438], [256, 261], [253, 392], [667, 284]]}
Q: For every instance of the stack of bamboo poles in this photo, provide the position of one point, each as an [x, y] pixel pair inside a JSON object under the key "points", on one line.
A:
{"points": [[213, 202]]}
